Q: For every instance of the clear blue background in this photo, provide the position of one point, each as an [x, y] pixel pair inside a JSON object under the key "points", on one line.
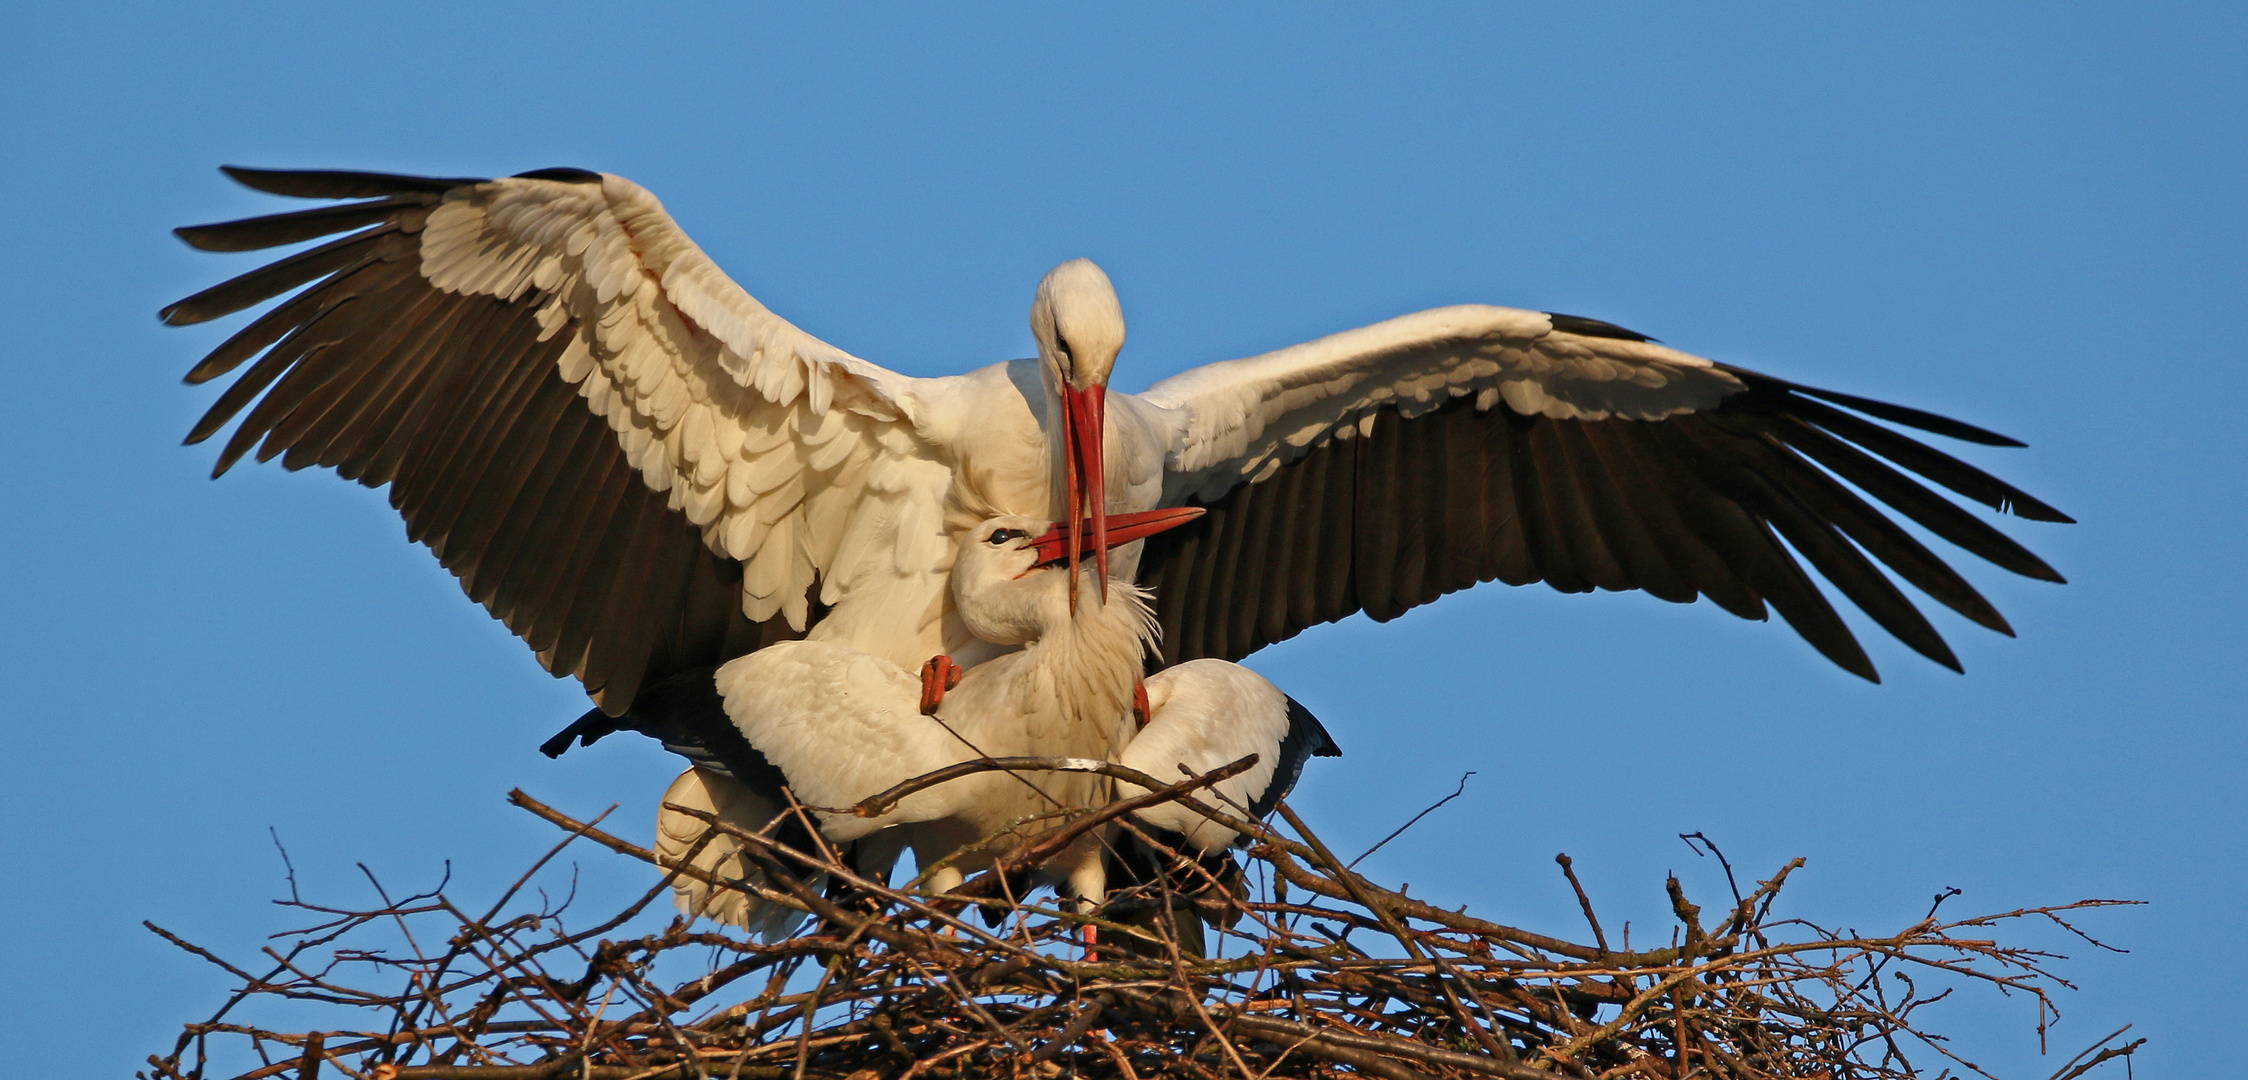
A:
{"points": [[2031, 219]]}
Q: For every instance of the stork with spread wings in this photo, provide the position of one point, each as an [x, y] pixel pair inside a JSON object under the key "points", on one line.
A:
{"points": [[643, 471]]}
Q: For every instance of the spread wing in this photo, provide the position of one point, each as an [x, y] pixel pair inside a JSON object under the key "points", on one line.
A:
{"points": [[1378, 469], [619, 452]]}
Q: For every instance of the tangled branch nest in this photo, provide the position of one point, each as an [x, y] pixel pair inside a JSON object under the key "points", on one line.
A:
{"points": [[1315, 971]]}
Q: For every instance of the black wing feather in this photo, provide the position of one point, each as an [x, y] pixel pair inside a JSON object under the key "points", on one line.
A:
{"points": [[1728, 503], [456, 403]]}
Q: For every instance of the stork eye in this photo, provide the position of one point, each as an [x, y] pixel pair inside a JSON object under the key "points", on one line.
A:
{"points": [[1001, 536]]}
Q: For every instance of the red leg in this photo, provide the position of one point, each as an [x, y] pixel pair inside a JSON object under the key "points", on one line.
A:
{"points": [[937, 676]]}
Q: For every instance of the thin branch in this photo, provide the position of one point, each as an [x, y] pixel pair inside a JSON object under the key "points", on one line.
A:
{"points": [[909, 987], [1414, 820]]}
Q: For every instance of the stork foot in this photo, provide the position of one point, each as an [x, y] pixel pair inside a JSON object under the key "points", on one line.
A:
{"points": [[937, 676]]}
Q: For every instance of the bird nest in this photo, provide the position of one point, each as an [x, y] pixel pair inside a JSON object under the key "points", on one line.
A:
{"points": [[1312, 971]]}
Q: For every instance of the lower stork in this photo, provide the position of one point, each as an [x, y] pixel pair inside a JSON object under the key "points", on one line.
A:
{"points": [[835, 725]]}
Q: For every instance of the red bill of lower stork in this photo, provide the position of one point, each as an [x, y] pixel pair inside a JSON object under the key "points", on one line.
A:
{"points": [[643, 471]]}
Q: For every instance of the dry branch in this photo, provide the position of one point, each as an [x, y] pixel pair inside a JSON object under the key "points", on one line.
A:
{"points": [[890, 984]]}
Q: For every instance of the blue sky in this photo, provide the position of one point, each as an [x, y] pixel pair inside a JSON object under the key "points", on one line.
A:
{"points": [[2030, 219]]}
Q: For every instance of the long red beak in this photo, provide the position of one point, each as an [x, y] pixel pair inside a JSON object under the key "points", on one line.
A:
{"points": [[1084, 430], [1062, 542]]}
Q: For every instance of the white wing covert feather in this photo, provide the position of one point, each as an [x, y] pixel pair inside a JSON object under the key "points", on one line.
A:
{"points": [[1207, 714], [777, 445], [1248, 417], [841, 725]]}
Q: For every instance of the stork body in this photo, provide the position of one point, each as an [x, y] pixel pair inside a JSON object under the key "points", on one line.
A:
{"points": [[842, 724], [644, 472], [837, 725]]}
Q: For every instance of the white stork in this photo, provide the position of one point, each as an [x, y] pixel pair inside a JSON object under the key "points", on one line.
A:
{"points": [[837, 725], [643, 471]]}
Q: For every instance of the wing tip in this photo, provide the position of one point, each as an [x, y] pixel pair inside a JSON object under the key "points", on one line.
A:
{"points": [[1920, 419], [1835, 642], [1584, 327], [204, 372], [2029, 509], [341, 183], [2037, 569], [1990, 491], [565, 174]]}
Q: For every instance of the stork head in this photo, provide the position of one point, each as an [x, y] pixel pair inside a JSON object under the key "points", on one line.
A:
{"points": [[1011, 582], [1079, 325], [1080, 329]]}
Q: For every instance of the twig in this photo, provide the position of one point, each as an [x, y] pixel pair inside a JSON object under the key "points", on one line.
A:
{"points": [[1415, 820], [1569, 870]]}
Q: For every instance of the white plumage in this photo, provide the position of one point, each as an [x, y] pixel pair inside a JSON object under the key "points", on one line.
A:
{"points": [[842, 725], [680, 838], [1245, 416], [1206, 714]]}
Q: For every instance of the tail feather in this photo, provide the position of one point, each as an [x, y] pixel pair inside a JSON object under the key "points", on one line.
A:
{"points": [[721, 857]]}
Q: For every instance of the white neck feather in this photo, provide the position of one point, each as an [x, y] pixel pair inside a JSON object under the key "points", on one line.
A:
{"points": [[1088, 661]]}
